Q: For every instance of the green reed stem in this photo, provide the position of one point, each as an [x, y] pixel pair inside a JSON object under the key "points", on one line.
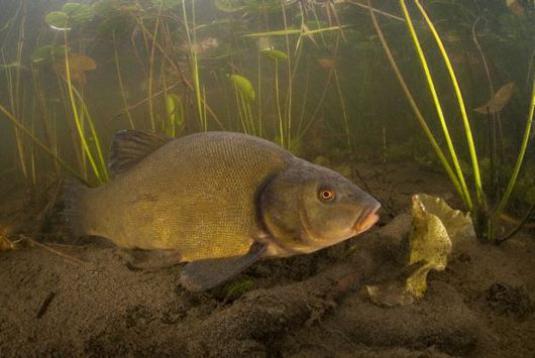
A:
{"points": [[289, 93], [278, 103], [419, 116], [40, 144], [94, 135], [121, 83], [520, 157], [458, 94], [13, 103], [343, 106], [151, 69], [77, 120], [194, 63], [438, 106]]}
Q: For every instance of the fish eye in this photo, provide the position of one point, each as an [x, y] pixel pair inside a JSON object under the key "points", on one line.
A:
{"points": [[326, 194]]}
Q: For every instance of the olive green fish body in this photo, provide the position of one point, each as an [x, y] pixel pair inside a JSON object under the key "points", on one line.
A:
{"points": [[197, 195], [218, 200]]}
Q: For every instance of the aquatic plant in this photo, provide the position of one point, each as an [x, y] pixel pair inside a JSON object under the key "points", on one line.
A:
{"points": [[476, 200]]}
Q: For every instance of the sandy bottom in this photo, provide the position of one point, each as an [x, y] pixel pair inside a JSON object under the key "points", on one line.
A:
{"points": [[83, 300]]}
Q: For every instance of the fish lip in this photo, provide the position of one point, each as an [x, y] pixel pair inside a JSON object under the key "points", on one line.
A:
{"points": [[367, 219]]}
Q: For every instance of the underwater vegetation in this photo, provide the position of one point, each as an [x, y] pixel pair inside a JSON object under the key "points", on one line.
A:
{"points": [[313, 76]]}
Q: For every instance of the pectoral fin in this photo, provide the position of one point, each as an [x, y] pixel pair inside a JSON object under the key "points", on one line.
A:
{"points": [[205, 274]]}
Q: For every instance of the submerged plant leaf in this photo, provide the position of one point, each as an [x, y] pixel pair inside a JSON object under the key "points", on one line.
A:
{"points": [[429, 243], [275, 54], [458, 224], [48, 53], [237, 288], [58, 20], [175, 114], [436, 228], [78, 13], [244, 86], [499, 101]]}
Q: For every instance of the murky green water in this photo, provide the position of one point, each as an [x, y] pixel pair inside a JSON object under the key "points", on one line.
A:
{"points": [[310, 75]]}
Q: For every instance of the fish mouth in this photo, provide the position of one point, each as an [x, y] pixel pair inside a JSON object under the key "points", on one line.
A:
{"points": [[366, 219]]}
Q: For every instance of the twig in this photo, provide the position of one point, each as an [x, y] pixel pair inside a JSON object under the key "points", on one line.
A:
{"points": [[46, 303], [519, 227], [54, 251], [380, 12], [145, 100]]}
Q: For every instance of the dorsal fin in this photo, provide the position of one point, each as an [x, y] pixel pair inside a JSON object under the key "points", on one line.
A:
{"points": [[131, 146]]}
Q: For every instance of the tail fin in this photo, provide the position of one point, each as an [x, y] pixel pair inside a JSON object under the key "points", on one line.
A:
{"points": [[74, 202]]}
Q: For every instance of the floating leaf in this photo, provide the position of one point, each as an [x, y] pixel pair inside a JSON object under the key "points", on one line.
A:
{"points": [[499, 101], [244, 86], [275, 54], [58, 20]]}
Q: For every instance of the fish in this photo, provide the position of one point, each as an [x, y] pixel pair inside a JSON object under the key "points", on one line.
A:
{"points": [[204, 45], [79, 64], [498, 102], [217, 201], [327, 63]]}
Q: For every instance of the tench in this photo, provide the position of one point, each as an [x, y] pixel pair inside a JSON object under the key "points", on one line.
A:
{"points": [[217, 200]]}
